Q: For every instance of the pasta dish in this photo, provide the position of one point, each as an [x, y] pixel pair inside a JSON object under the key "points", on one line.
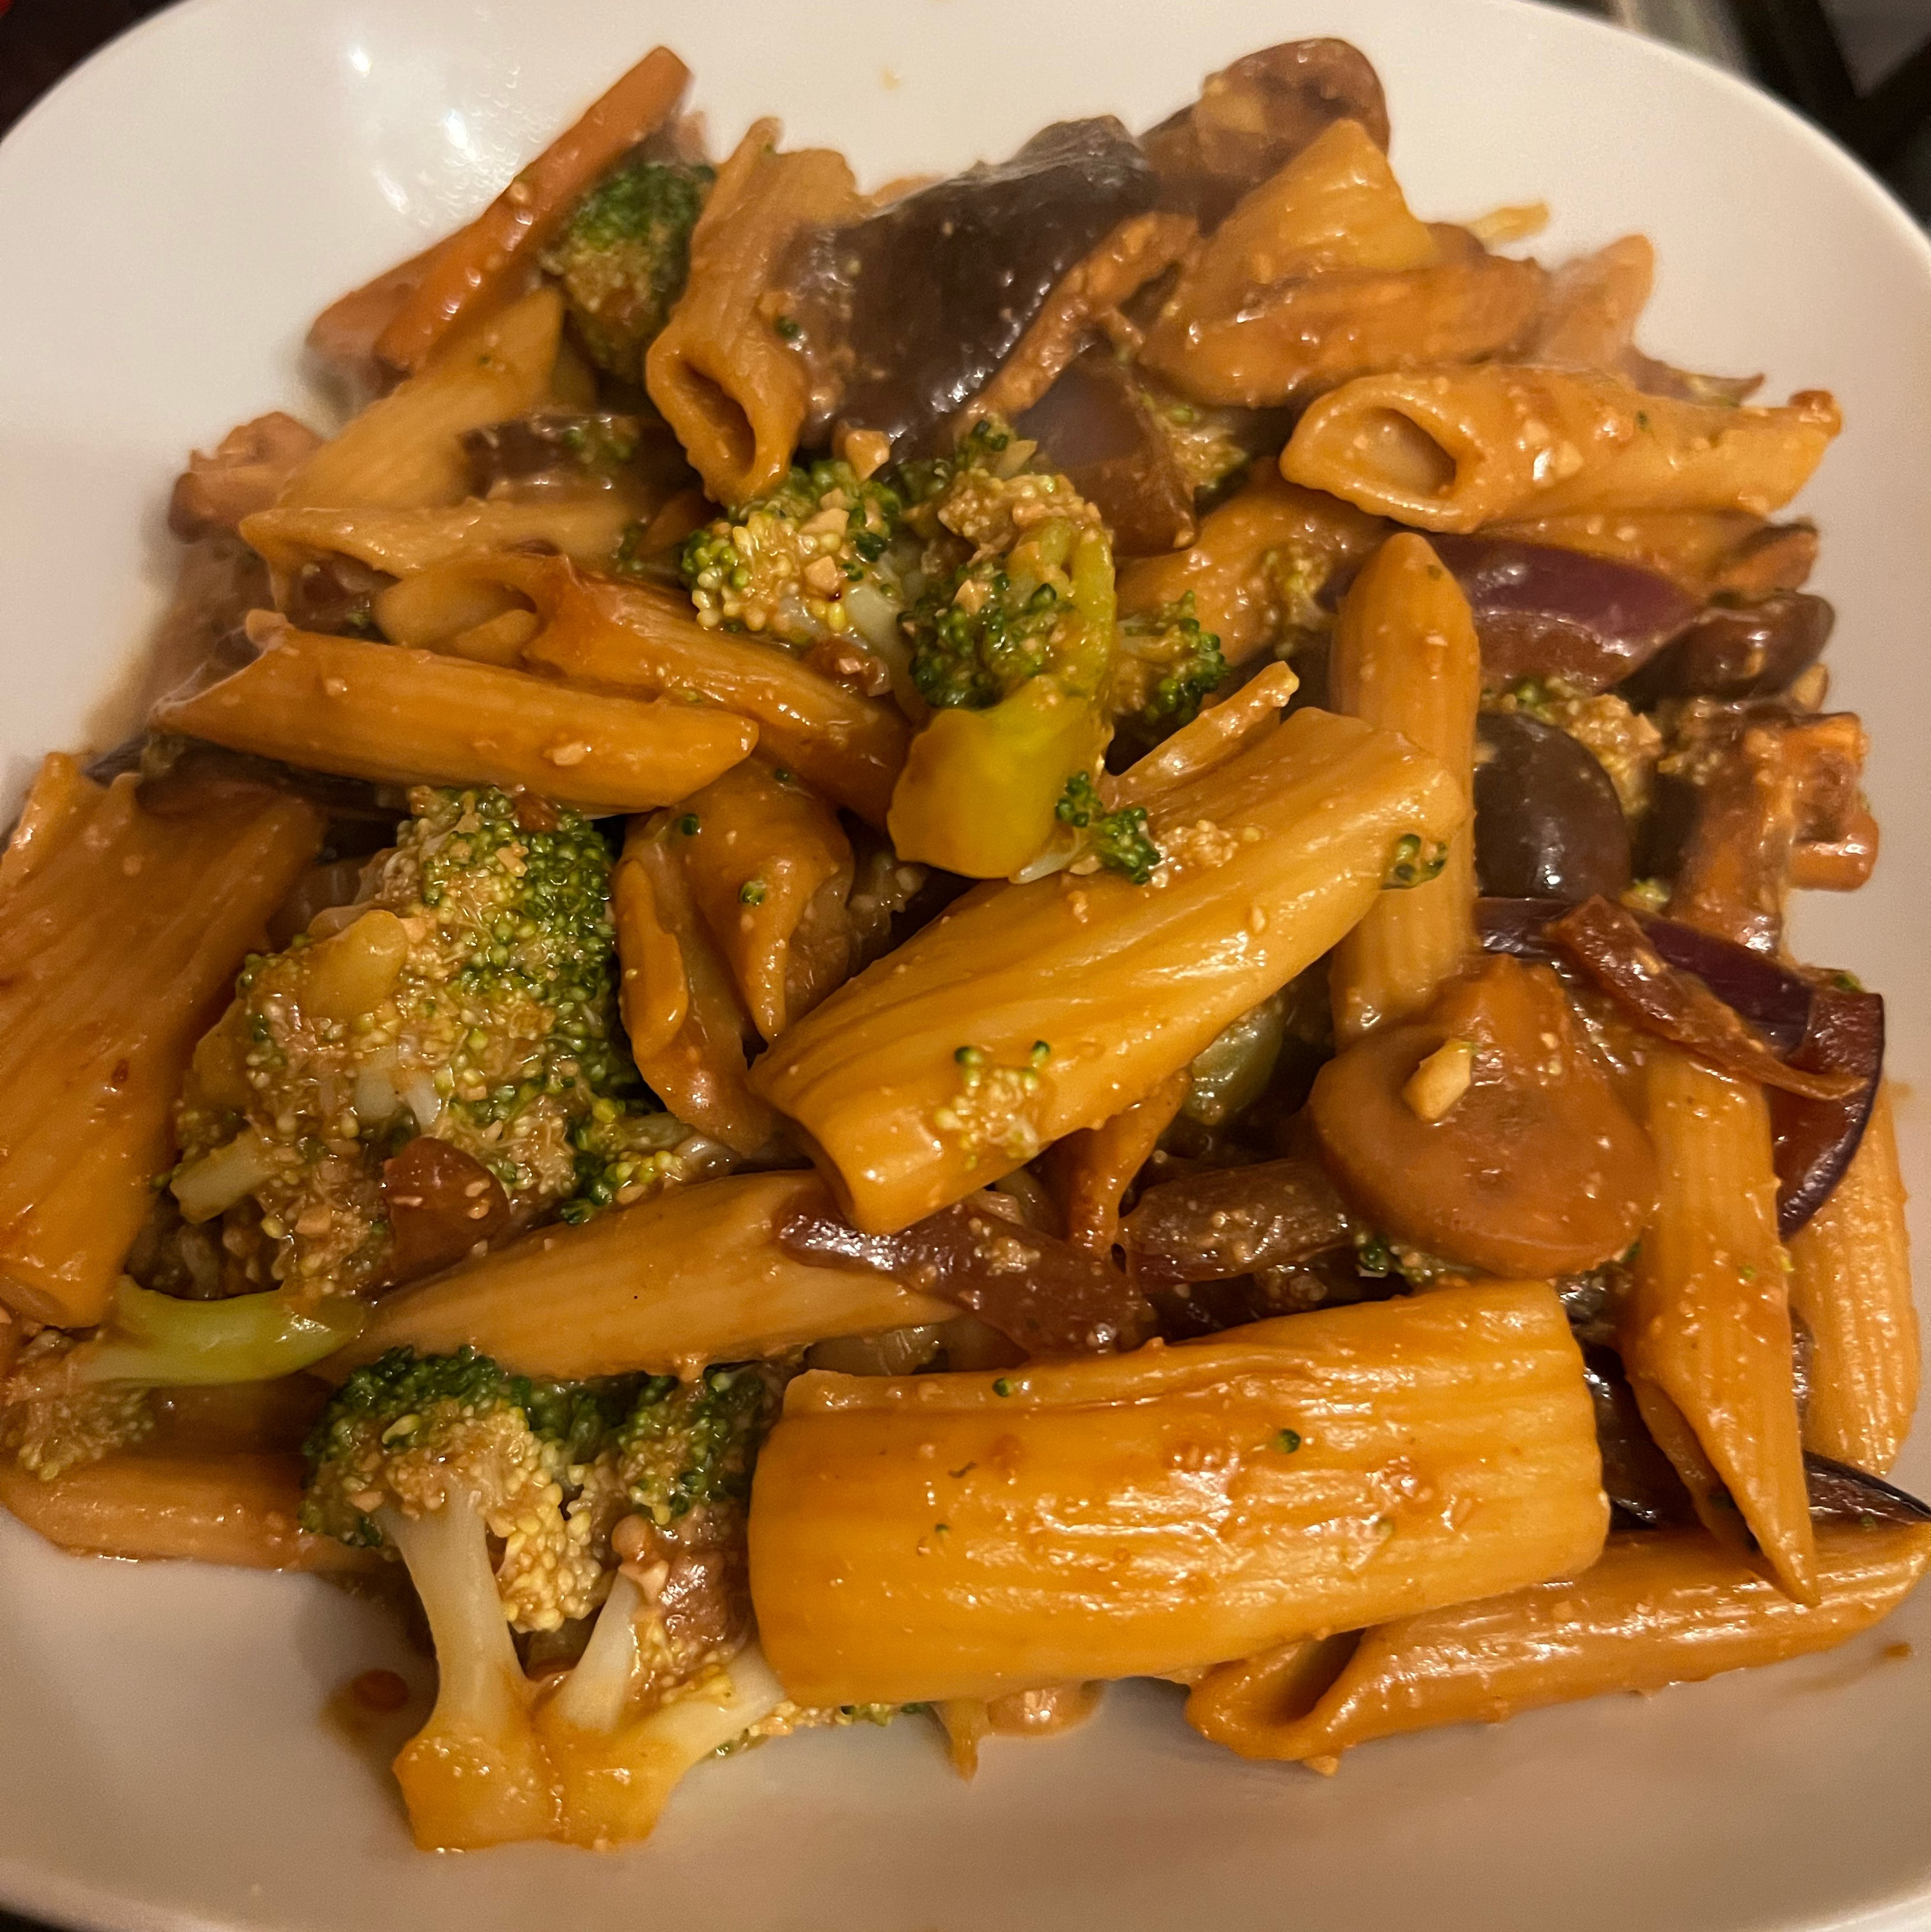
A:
{"points": [[888, 953]]}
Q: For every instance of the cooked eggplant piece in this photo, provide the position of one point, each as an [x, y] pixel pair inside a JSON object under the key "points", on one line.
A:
{"points": [[1543, 612], [1641, 1482], [1547, 821], [914, 307], [1254, 117], [1841, 1494], [1226, 1222], [1738, 650], [1097, 426], [554, 448], [1815, 1138]]}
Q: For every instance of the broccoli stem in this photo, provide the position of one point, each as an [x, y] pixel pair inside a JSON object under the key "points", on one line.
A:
{"points": [[476, 1774], [159, 1341], [594, 1693]]}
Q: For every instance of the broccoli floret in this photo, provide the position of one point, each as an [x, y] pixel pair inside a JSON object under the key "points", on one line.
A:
{"points": [[692, 1446], [1167, 667], [1117, 840], [818, 558], [52, 1420], [623, 255], [482, 1010], [626, 1153]]}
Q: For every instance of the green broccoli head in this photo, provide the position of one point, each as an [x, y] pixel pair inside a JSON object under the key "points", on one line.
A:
{"points": [[52, 1419], [977, 636], [688, 1447], [624, 254], [813, 559], [1116, 840], [492, 1023], [1167, 666]]}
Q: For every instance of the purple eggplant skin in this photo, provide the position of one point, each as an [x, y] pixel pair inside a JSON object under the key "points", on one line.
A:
{"points": [[1738, 651], [1839, 1493], [929, 295], [1815, 1139], [1543, 612], [1547, 822]]}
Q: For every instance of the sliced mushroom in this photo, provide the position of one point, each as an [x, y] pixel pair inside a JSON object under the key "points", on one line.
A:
{"points": [[1738, 651], [1224, 1222]]}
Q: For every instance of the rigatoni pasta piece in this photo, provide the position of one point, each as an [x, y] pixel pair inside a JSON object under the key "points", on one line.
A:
{"points": [[1850, 1284], [1322, 273], [1668, 1607], [635, 637], [120, 932], [724, 378], [1405, 658], [671, 970], [405, 717], [1026, 1012], [1451, 449], [1707, 1325], [480, 265], [404, 451], [1256, 563], [695, 1275], [239, 1510], [965, 1535], [769, 869]]}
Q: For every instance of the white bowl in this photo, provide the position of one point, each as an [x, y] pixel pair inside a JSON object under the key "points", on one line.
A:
{"points": [[170, 219]]}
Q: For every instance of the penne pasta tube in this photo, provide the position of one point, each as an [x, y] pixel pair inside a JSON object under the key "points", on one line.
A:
{"points": [[694, 1275], [1708, 553], [1850, 1284], [725, 380], [1449, 448], [670, 966], [59, 803], [1668, 1607], [585, 527], [635, 638], [120, 933], [1322, 273], [403, 717], [404, 451], [967, 1535], [1255, 566], [1405, 658], [769, 868], [1219, 735], [1707, 1325], [475, 267], [1027, 1011], [1093, 1169], [239, 1510]]}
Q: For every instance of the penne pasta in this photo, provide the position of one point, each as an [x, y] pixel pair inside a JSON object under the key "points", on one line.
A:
{"points": [[1027, 1011], [1670, 1607], [967, 1535], [396, 716], [1093, 1169], [1257, 564], [1221, 733], [670, 966], [724, 378], [1705, 1334], [633, 637], [693, 1276], [1322, 274], [239, 1510], [119, 931], [1850, 1285], [404, 451], [1405, 658], [769, 869], [476, 267], [1450, 449], [1589, 313]]}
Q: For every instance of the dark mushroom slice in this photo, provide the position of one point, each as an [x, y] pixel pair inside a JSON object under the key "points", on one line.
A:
{"points": [[1098, 428], [1815, 1138], [916, 307], [1224, 1222], [1544, 612], [1548, 823], [1839, 1493], [1777, 802], [1534, 1169], [1254, 117], [1736, 651], [1048, 1296], [551, 449], [440, 1202], [1644, 1490]]}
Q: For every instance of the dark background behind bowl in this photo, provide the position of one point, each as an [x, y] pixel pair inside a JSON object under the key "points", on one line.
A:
{"points": [[1861, 68]]}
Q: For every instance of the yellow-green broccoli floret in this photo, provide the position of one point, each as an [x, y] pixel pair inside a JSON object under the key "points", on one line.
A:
{"points": [[482, 1009], [1167, 666], [1117, 840], [813, 559], [51, 1420], [623, 257], [687, 1446]]}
